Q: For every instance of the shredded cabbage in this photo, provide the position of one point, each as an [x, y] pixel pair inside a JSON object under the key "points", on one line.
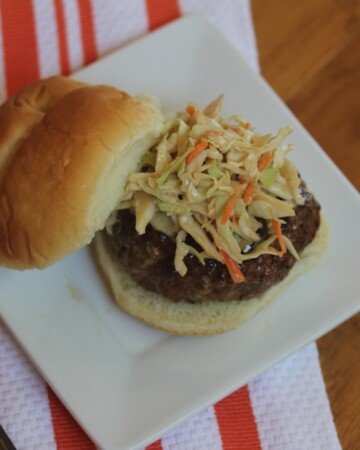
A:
{"points": [[185, 191], [182, 250], [269, 176], [144, 210]]}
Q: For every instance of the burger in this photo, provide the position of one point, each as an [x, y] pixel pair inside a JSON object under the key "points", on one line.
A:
{"points": [[199, 221]]}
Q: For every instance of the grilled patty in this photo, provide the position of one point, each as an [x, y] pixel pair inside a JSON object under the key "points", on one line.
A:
{"points": [[149, 259]]}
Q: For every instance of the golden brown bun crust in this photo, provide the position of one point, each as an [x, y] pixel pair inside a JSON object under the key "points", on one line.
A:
{"points": [[211, 317], [67, 176], [21, 112]]}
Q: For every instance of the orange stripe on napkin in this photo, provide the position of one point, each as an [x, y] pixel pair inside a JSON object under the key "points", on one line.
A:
{"points": [[20, 47], [236, 422], [161, 11], [68, 434], [61, 31], [155, 446], [87, 30]]}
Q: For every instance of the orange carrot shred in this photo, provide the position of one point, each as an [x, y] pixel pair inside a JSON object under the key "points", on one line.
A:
{"points": [[236, 129], [229, 206], [232, 266], [199, 148], [191, 110], [277, 228], [249, 193], [265, 161], [212, 133], [246, 125]]}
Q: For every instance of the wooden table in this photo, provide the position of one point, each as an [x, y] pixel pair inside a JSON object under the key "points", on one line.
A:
{"points": [[310, 54]]}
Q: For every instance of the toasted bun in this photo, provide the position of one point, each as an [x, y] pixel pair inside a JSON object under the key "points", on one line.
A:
{"points": [[66, 170], [211, 317]]}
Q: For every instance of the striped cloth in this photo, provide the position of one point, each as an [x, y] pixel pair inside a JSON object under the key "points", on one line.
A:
{"points": [[287, 407]]}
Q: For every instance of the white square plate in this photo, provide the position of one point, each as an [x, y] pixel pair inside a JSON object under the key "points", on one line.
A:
{"points": [[124, 382]]}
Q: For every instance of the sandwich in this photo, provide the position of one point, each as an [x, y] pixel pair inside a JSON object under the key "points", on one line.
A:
{"points": [[199, 221]]}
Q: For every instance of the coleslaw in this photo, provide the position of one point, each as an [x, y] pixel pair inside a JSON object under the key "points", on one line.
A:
{"points": [[213, 179]]}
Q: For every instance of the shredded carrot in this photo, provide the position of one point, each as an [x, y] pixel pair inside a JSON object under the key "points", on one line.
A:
{"points": [[191, 110], [212, 133], [229, 206], [236, 129], [245, 125], [249, 193], [233, 268], [277, 228], [199, 148], [265, 161]]}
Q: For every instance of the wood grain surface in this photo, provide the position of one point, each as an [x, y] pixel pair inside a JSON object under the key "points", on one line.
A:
{"points": [[310, 53]]}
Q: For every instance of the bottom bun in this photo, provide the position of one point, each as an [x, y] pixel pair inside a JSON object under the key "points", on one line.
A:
{"points": [[210, 317]]}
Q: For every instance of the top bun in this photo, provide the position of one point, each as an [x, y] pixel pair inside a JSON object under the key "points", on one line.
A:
{"points": [[65, 153]]}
